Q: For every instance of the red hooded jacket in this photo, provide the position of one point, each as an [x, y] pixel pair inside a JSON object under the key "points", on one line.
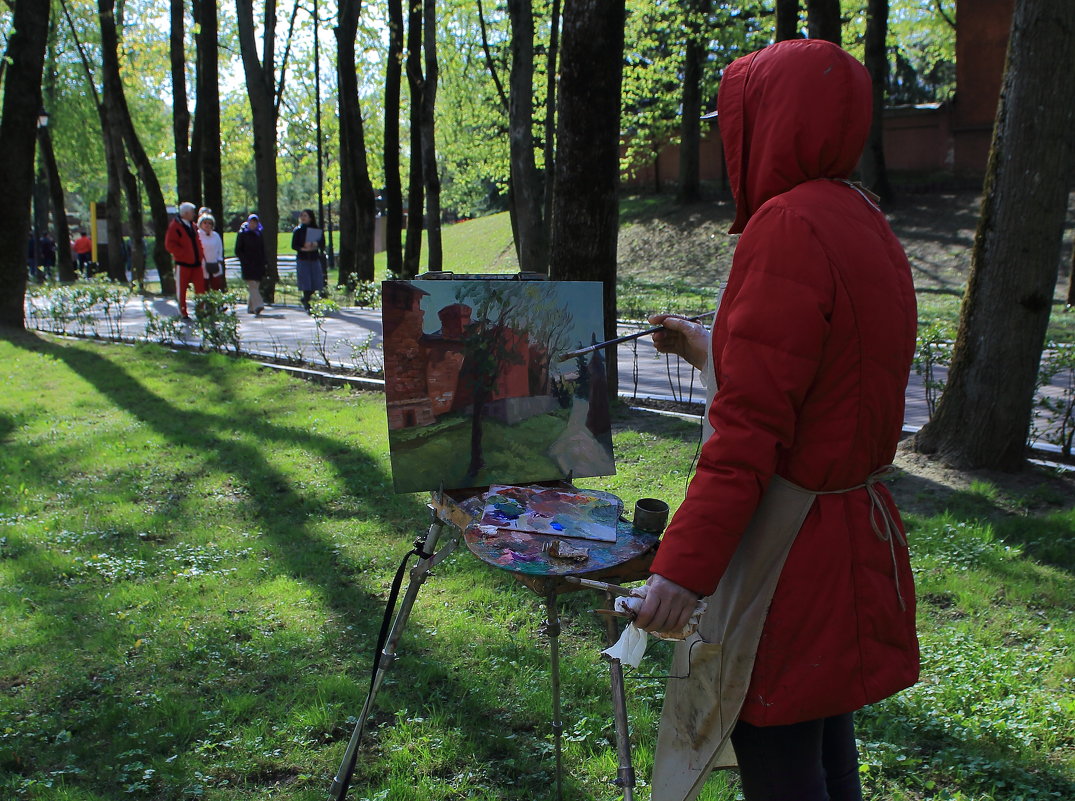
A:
{"points": [[812, 347]]}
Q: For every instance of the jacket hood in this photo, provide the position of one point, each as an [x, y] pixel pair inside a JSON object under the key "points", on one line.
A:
{"points": [[806, 116]]}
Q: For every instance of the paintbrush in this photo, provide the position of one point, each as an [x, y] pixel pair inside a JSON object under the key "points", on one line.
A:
{"points": [[613, 589], [609, 343]]}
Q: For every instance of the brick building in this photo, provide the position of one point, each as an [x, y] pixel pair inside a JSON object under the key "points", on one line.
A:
{"points": [[937, 138], [426, 374]]}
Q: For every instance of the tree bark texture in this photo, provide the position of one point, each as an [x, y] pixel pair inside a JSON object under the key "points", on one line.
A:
{"points": [[412, 251], [64, 261], [585, 205], [356, 237], [260, 78], [18, 132], [787, 20], [527, 207], [430, 171], [207, 169], [177, 51], [983, 417], [823, 20], [874, 173], [690, 129], [551, 72], [120, 115], [393, 190]]}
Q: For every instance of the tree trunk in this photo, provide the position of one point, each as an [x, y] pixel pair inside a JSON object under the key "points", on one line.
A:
{"points": [[585, 207], [527, 201], [690, 131], [138, 239], [64, 262], [360, 206], [787, 20], [412, 252], [430, 172], [550, 121], [823, 20], [260, 90], [984, 415], [18, 130], [116, 161], [206, 166], [184, 178], [122, 118], [393, 191], [874, 173]]}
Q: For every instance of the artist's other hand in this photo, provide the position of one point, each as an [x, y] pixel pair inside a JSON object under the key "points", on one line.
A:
{"points": [[667, 606], [683, 338]]}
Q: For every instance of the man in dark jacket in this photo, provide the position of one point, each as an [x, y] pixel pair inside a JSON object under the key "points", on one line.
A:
{"points": [[181, 241], [250, 248]]}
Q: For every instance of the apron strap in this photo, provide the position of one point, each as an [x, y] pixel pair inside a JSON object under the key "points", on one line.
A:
{"points": [[881, 520]]}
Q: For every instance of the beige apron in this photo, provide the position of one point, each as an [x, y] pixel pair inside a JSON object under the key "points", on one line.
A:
{"points": [[701, 709]]}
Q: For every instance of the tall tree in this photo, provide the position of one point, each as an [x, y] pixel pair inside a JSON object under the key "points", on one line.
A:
{"points": [[177, 49], [64, 260], [115, 157], [265, 94], [690, 130], [551, 71], [393, 191], [25, 58], [874, 174], [206, 144], [430, 170], [527, 186], [585, 207], [357, 207], [823, 20], [120, 116], [983, 417], [412, 250], [787, 20]]}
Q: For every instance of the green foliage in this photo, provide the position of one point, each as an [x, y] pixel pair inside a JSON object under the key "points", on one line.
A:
{"points": [[91, 307], [933, 349]]}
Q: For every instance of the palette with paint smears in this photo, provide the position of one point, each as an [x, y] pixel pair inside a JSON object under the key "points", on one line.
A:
{"points": [[557, 513], [516, 529]]}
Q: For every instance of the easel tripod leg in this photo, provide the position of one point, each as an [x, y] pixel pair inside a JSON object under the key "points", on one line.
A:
{"points": [[552, 630], [418, 574], [625, 776]]}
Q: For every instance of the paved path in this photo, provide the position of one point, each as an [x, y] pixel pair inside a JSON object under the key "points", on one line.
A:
{"points": [[351, 338]]}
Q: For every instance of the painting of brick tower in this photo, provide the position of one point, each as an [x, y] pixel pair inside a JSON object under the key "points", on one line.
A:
{"points": [[475, 392]]}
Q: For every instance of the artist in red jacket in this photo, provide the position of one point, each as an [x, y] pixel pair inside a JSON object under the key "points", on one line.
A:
{"points": [[181, 240], [810, 353]]}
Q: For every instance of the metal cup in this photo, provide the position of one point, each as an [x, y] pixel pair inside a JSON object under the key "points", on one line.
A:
{"points": [[651, 515]]}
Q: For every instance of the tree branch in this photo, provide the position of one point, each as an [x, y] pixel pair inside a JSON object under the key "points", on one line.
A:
{"points": [[287, 53], [489, 59], [939, 5], [82, 54]]}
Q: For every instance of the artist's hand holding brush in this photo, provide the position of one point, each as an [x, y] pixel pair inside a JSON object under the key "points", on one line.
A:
{"points": [[686, 339]]}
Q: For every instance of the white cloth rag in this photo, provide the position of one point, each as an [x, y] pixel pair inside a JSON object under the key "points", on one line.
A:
{"points": [[631, 646]]}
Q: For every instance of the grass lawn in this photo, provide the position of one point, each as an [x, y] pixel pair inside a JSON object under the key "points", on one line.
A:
{"points": [[195, 555]]}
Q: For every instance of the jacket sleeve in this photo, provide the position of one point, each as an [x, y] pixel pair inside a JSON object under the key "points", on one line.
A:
{"points": [[771, 340], [240, 244], [298, 238], [171, 241]]}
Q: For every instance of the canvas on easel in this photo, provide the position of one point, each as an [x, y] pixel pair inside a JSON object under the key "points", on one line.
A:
{"points": [[475, 391]]}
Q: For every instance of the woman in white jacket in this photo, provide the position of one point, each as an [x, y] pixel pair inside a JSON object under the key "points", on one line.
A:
{"points": [[213, 248]]}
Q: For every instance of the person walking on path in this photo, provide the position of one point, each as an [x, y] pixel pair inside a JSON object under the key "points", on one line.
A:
{"points": [[306, 241], [250, 249], [786, 526], [182, 241], [213, 251], [83, 247]]}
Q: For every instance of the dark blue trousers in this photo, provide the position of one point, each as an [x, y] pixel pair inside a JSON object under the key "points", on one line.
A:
{"points": [[812, 761]]}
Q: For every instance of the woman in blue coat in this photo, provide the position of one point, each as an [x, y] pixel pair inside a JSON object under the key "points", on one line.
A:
{"points": [[306, 241]]}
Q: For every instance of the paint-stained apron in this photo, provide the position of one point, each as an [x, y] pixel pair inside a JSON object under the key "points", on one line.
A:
{"points": [[711, 669]]}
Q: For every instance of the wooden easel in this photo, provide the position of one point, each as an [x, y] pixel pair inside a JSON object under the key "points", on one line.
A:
{"points": [[450, 519]]}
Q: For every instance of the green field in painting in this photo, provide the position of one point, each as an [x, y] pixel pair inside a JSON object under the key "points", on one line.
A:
{"points": [[423, 458]]}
